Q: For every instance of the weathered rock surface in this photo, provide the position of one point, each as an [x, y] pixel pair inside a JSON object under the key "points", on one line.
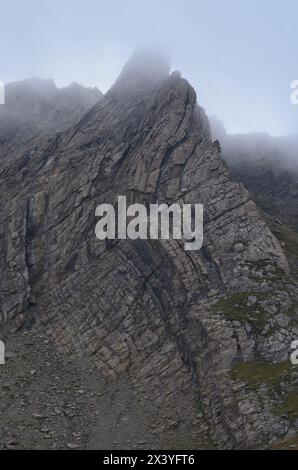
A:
{"points": [[37, 108], [268, 167], [177, 325]]}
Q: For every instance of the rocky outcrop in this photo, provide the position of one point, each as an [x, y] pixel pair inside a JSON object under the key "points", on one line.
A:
{"points": [[176, 325], [268, 167], [36, 108]]}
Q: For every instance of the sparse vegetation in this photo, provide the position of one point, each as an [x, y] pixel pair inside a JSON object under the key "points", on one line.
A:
{"points": [[238, 307], [289, 242], [289, 405], [258, 372], [190, 444], [290, 443]]}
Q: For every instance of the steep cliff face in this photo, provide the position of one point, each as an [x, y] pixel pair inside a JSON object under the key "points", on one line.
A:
{"points": [[268, 167], [183, 328]]}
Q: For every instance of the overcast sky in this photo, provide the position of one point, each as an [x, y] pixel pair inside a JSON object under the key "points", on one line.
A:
{"points": [[240, 55]]}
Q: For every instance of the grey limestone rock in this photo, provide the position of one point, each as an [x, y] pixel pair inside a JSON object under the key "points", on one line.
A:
{"points": [[173, 323]]}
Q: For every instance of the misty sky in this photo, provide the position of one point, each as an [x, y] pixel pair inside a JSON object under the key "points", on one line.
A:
{"points": [[240, 56]]}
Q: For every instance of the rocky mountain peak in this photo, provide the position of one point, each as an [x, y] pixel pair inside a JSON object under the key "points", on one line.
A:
{"points": [[37, 106], [144, 70], [174, 326]]}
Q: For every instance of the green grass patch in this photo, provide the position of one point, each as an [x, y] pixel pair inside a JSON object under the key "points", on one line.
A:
{"points": [[255, 373], [289, 405], [237, 307]]}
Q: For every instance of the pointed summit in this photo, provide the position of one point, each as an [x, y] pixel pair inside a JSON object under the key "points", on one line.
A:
{"points": [[143, 70]]}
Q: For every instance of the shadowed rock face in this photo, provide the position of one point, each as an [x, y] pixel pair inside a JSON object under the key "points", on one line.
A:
{"points": [[148, 310]]}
